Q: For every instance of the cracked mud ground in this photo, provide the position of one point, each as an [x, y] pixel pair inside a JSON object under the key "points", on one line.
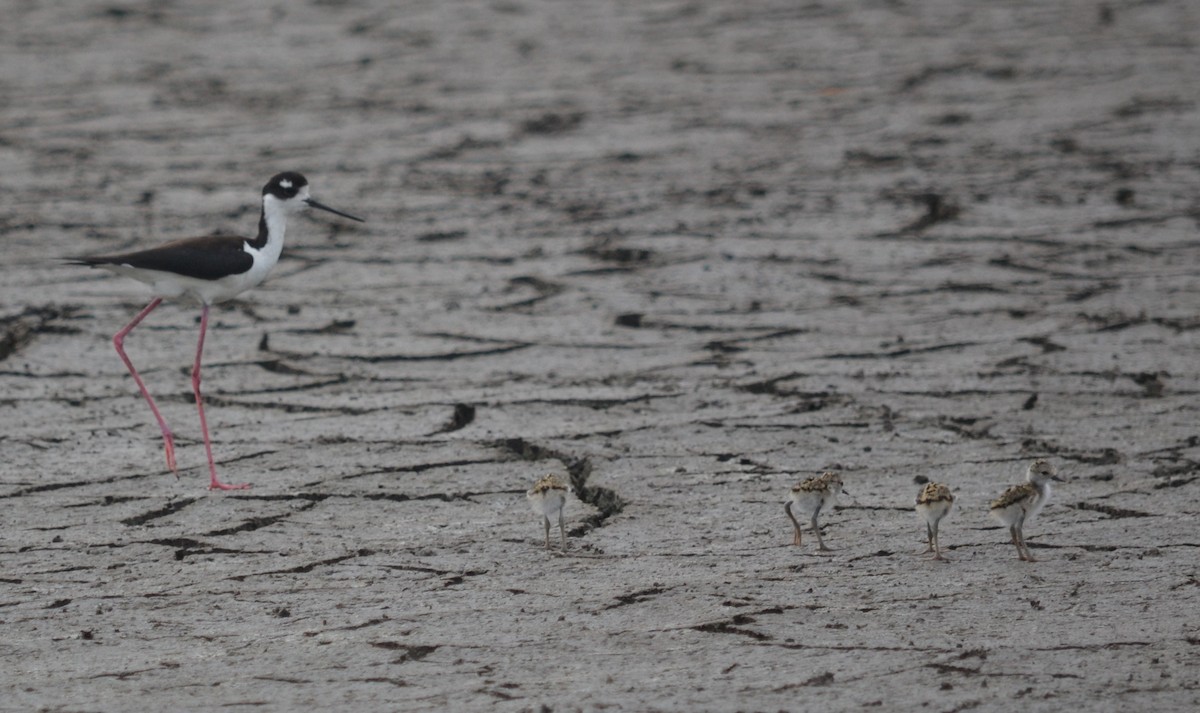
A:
{"points": [[684, 253]]}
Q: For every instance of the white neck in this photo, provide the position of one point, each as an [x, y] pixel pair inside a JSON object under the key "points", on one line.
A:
{"points": [[274, 218], [275, 215]]}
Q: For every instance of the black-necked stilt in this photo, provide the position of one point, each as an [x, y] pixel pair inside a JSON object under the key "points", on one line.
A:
{"points": [[809, 498], [548, 497], [934, 503], [1021, 503], [210, 269]]}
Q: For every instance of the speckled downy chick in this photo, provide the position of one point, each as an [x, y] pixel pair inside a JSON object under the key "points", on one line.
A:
{"points": [[811, 497], [1021, 503], [933, 503], [548, 497]]}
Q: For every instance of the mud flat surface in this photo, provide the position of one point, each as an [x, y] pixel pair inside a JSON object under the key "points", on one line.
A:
{"points": [[684, 253]]}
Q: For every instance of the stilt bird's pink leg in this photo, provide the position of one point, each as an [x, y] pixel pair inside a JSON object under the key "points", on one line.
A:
{"points": [[119, 342], [214, 482]]}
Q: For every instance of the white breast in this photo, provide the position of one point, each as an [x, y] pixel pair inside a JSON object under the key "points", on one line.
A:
{"points": [[549, 502]]}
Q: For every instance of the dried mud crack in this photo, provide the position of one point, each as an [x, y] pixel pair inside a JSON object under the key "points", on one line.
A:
{"points": [[579, 469], [18, 330]]}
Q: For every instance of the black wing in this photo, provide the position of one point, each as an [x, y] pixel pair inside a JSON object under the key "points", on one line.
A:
{"points": [[208, 258]]}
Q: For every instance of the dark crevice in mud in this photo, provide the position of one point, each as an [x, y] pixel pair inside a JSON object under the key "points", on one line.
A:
{"points": [[1141, 220], [222, 402], [598, 404], [735, 625], [310, 497], [257, 523], [638, 597], [552, 122], [176, 542], [735, 345], [611, 270], [938, 209], [1113, 320], [1008, 262], [792, 646], [418, 467], [810, 400], [725, 627], [875, 508], [731, 344], [933, 72], [951, 668], [463, 416], [278, 366], [245, 456], [1091, 291], [447, 356], [1048, 347], [966, 426], [877, 553], [900, 352], [389, 358], [958, 393], [408, 652], [1174, 464], [1173, 483], [1036, 447], [1013, 365], [951, 286], [376, 621], [413, 653], [455, 150], [606, 501], [305, 568], [426, 570], [839, 279], [1180, 325], [821, 679], [1151, 382], [309, 386], [1089, 548], [397, 682], [471, 338], [441, 236], [108, 500], [50, 375], [444, 497], [456, 579], [604, 250], [771, 386], [543, 290], [1098, 647], [186, 547], [337, 326], [287, 679], [1108, 510], [169, 508], [17, 331], [786, 426], [707, 328]]}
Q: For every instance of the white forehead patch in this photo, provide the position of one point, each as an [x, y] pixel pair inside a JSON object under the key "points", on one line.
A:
{"points": [[285, 183]]}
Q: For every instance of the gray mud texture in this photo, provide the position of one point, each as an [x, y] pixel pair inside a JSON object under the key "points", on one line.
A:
{"points": [[682, 253]]}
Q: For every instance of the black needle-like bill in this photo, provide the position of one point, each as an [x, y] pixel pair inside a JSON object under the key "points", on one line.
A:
{"points": [[321, 206]]}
